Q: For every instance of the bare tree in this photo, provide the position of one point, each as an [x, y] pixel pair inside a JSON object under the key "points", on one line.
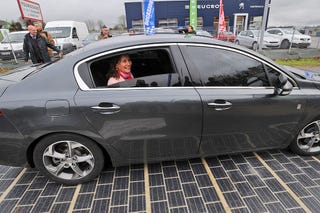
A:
{"points": [[100, 24], [122, 21], [90, 24]]}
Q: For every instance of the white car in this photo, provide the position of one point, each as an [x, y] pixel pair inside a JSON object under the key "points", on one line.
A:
{"points": [[251, 39], [14, 41], [288, 36]]}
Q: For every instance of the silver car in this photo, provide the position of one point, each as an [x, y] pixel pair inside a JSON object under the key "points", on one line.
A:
{"points": [[251, 39]]}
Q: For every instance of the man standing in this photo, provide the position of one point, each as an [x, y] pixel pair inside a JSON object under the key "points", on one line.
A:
{"points": [[47, 36], [36, 46], [104, 33]]}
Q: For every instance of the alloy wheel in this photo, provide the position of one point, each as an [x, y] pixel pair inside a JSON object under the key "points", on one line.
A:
{"points": [[308, 139], [68, 160]]}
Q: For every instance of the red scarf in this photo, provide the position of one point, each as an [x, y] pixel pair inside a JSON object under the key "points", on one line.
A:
{"points": [[127, 76]]}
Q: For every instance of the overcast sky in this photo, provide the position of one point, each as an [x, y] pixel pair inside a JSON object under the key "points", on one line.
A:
{"points": [[282, 12]]}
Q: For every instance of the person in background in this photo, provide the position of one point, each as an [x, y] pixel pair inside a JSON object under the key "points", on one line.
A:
{"points": [[190, 30], [36, 46], [104, 33], [46, 35], [120, 70]]}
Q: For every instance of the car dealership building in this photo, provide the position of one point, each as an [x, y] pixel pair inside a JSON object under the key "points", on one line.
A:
{"points": [[239, 14]]}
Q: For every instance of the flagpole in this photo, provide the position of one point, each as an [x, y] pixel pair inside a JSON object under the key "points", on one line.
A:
{"points": [[219, 18]]}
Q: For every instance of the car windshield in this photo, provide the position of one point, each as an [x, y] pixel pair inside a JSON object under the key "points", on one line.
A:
{"points": [[290, 31], [14, 38], [256, 33], [92, 37], [59, 32]]}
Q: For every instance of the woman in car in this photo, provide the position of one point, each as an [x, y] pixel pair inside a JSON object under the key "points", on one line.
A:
{"points": [[120, 70]]}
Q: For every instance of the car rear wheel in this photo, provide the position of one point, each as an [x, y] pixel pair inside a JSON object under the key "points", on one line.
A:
{"points": [[68, 159], [285, 44], [308, 140], [237, 42]]}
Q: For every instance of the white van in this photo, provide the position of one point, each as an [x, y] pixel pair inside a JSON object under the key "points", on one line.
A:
{"points": [[12, 41], [68, 35]]}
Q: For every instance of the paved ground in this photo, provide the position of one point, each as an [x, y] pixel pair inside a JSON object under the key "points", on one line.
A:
{"points": [[274, 181]]}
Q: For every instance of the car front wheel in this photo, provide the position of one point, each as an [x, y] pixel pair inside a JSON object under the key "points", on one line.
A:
{"points": [[68, 159], [308, 140]]}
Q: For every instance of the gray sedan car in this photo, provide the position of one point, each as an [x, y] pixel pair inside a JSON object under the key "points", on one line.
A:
{"points": [[190, 97], [251, 39]]}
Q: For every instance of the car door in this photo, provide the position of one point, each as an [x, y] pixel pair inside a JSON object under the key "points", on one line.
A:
{"points": [[155, 116], [250, 38], [240, 109]]}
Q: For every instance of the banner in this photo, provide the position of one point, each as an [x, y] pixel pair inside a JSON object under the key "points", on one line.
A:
{"points": [[149, 17], [30, 10], [193, 16], [222, 22]]}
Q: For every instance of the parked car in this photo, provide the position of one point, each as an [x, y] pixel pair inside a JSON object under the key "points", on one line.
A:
{"points": [[14, 41], [190, 97], [92, 37], [251, 39], [225, 36], [203, 33], [288, 36]]}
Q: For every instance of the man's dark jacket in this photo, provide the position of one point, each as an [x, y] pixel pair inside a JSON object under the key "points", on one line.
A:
{"points": [[42, 44]]}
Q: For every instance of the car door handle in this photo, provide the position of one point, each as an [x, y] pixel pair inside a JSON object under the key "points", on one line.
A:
{"points": [[106, 109], [220, 105]]}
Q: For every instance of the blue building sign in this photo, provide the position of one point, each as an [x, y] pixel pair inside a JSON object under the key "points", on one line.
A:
{"points": [[239, 14]]}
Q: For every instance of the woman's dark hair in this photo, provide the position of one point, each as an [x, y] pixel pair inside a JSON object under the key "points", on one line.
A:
{"points": [[113, 72]]}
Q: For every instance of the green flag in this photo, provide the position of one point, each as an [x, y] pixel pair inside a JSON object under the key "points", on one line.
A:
{"points": [[193, 14]]}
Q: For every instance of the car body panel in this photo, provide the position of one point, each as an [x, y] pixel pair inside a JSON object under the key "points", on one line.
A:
{"points": [[151, 123]]}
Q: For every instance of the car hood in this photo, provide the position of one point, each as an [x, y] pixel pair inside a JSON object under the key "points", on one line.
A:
{"points": [[7, 46], [305, 74]]}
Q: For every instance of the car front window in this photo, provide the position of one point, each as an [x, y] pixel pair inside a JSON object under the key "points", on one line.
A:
{"points": [[59, 32], [219, 67], [150, 68]]}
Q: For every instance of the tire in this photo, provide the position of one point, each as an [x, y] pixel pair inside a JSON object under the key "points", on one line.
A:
{"points": [[237, 42], [285, 44], [307, 141], [82, 163], [255, 46]]}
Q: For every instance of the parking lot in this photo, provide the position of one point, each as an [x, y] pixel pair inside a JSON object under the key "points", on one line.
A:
{"points": [[273, 181]]}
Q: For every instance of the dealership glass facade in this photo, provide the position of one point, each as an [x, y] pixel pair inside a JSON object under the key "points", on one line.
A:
{"points": [[239, 14]]}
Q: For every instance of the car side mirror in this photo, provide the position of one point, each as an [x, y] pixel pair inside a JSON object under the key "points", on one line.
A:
{"points": [[251, 36], [280, 34], [284, 86]]}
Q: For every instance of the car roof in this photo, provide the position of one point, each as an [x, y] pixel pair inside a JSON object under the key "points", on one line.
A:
{"points": [[125, 41], [120, 42]]}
